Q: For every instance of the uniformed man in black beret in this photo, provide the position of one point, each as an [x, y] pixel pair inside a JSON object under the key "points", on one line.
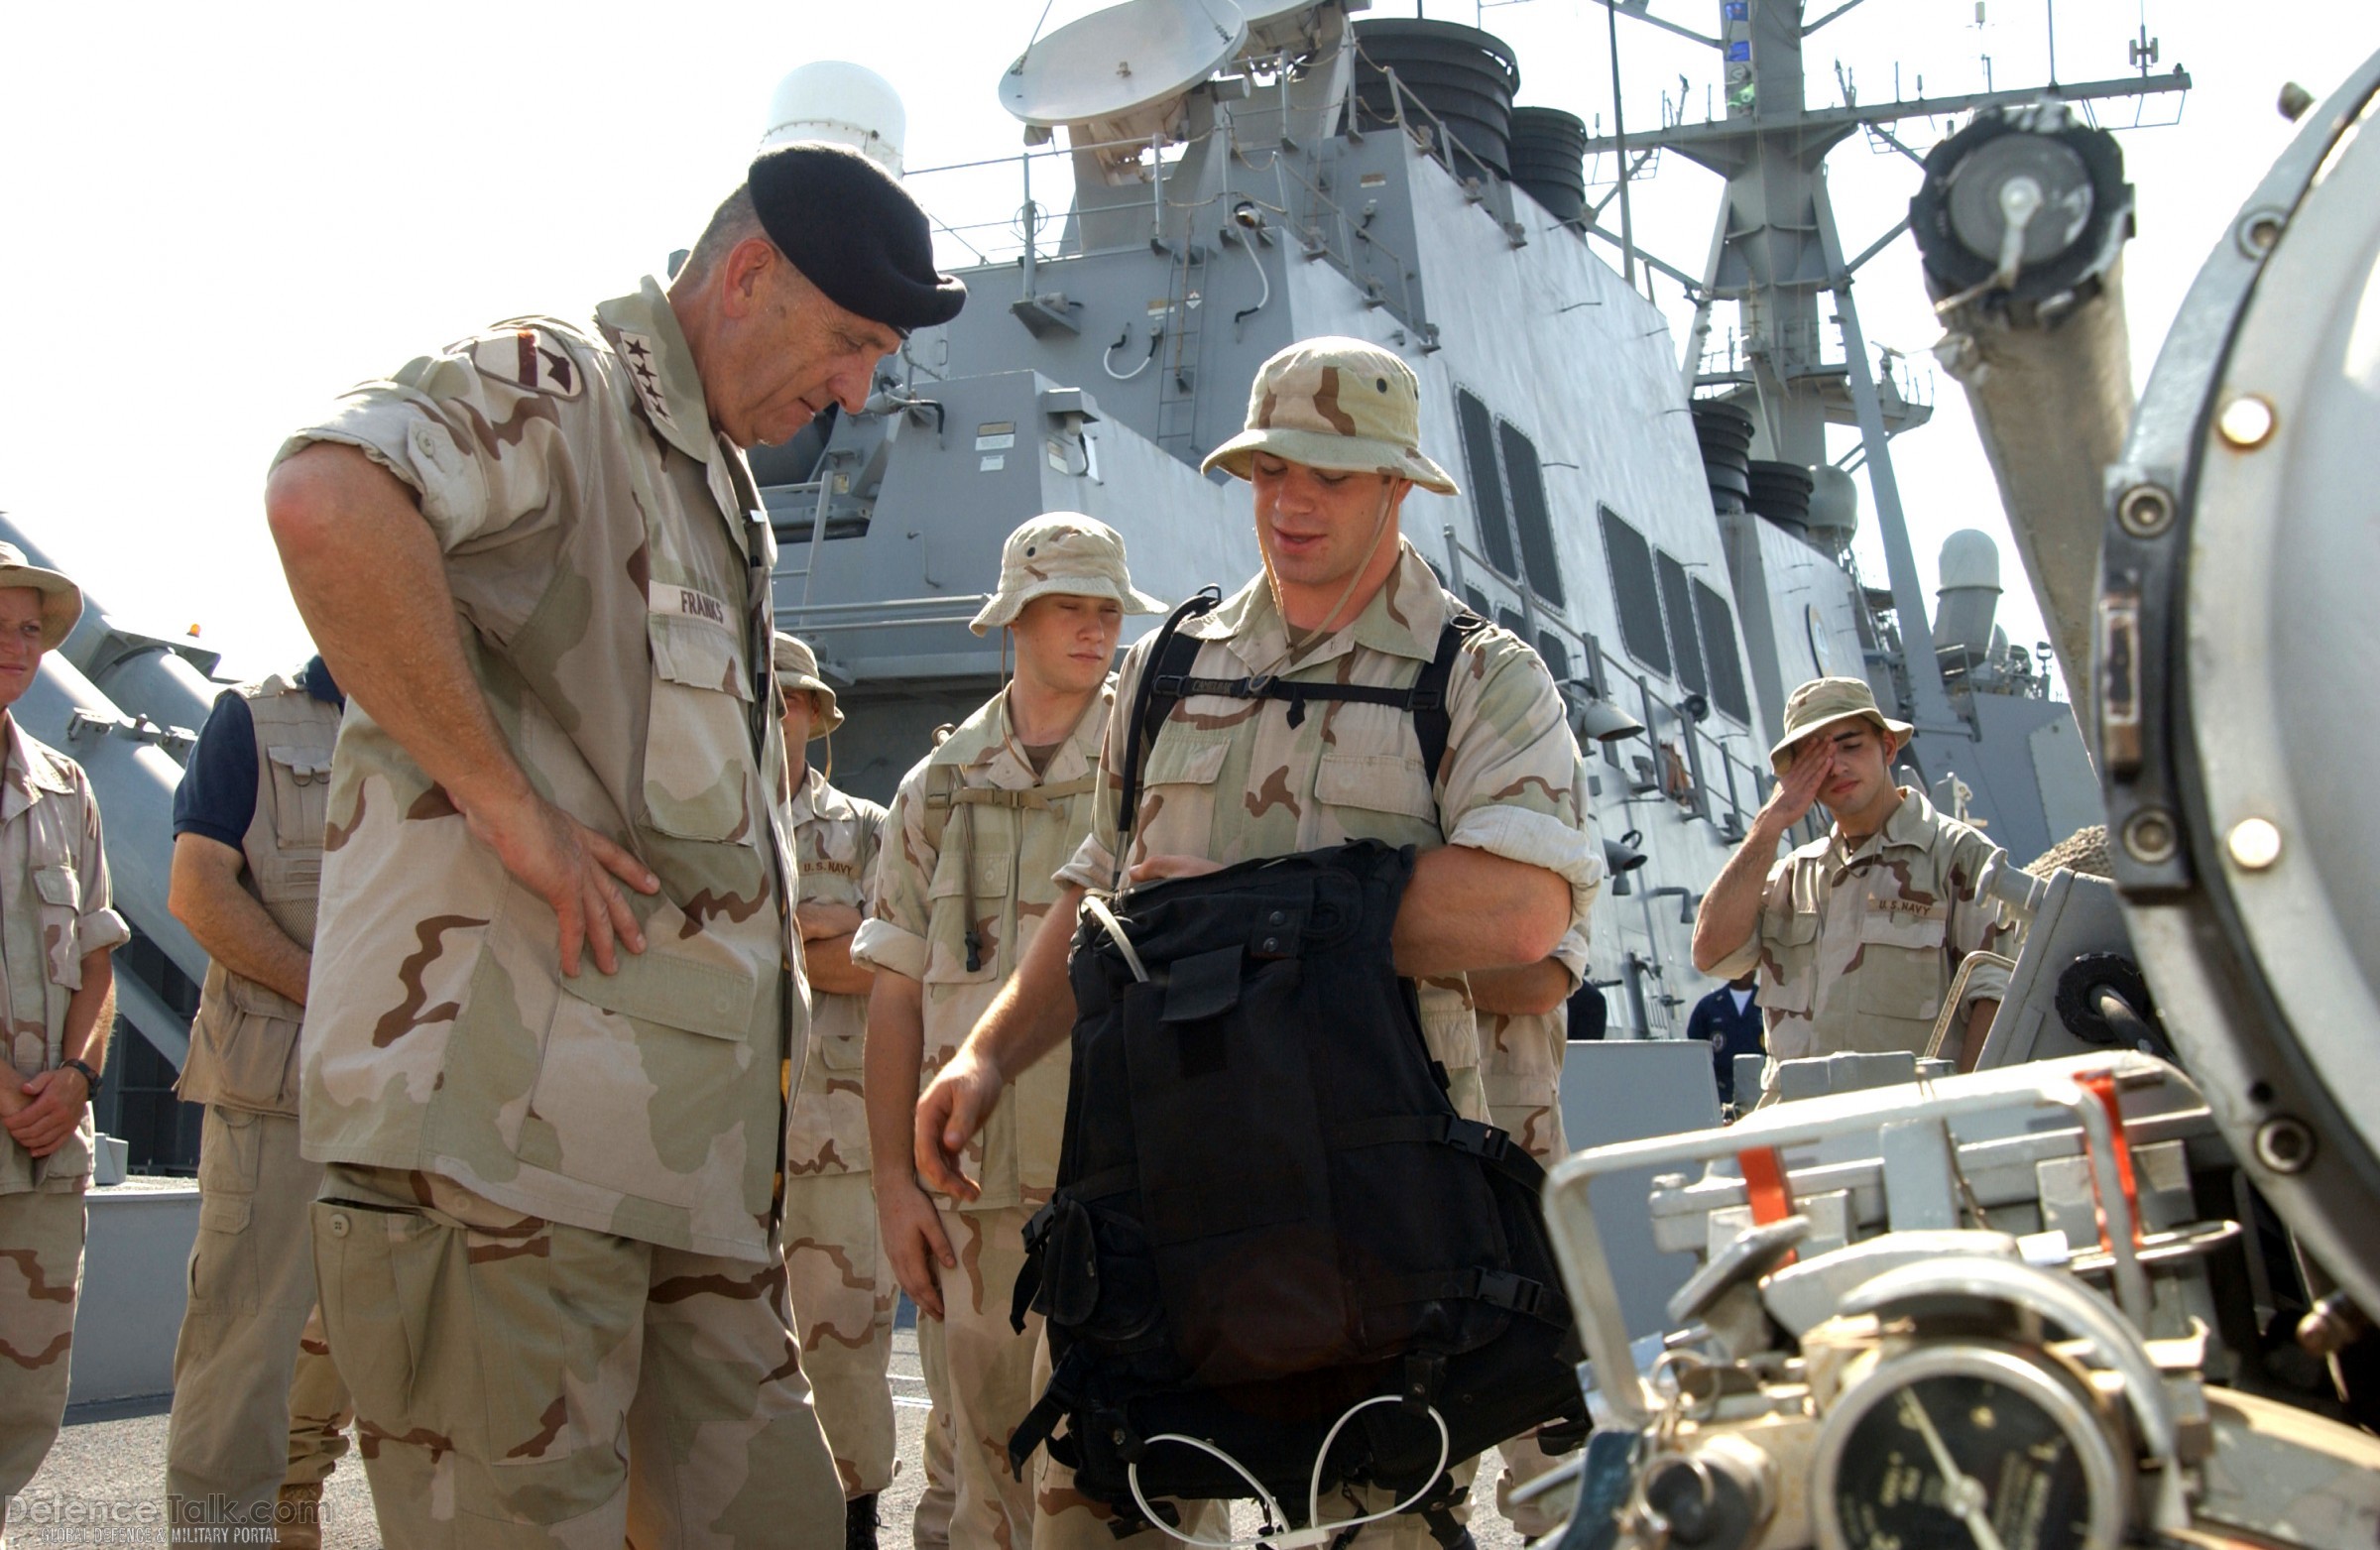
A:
{"points": [[554, 992]]}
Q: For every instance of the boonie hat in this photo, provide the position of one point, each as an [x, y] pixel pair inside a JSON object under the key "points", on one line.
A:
{"points": [[798, 670], [854, 232], [61, 600], [1061, 551], [1339, 404], [1819, 704]]}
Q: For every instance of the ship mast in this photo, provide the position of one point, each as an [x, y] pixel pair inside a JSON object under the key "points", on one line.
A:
{"points": [[1774, 249]]}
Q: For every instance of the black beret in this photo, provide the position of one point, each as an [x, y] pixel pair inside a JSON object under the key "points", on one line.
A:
{"points": [[855, 232]]}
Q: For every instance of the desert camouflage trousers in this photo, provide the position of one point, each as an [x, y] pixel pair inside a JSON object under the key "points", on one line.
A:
{"points": [[978, 1372], [256, 1405], [41, 1275], [842, 1296], [524, 1382]]}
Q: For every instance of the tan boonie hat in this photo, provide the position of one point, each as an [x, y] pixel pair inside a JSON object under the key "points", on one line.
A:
{"points": [[1820, 703], [798, 670], [1336, 403], [1061, 551], [61, 600]]}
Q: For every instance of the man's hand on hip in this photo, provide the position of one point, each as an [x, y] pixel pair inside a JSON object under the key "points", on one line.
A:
{"points": [[573, 867]]}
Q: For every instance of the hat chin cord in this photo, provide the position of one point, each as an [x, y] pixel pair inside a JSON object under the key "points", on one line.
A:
{"points": [[1299, 641]]}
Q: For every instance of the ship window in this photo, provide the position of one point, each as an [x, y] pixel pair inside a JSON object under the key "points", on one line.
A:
{"points": [[1718, 646], [1486, 484], [1678, 603], [1478, 601], [1530, 514], [1556, 655], [1635, 591], [1510, 618]]}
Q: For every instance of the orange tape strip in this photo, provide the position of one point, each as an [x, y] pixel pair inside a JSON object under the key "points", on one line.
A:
{"points": [[1764, 1184], [2102, 1087]]}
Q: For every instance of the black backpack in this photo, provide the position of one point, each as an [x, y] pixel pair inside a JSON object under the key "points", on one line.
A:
{"points": [[1271, 1230]]}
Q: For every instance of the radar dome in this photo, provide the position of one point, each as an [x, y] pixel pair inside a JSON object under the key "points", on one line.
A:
{"points": [[843, 104]]}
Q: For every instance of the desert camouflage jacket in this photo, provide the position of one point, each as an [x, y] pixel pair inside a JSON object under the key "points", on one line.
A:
{"points": [[975, 799], [835, 840], [1857, 950], [54, 913], [610, 574], [1234, 780]]}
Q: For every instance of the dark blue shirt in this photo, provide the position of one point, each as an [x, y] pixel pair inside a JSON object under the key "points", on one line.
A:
{"points": [[217, 794], [1730, 1034]]}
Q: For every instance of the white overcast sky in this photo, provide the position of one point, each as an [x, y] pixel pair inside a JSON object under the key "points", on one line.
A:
{"points": [[213, 218]]}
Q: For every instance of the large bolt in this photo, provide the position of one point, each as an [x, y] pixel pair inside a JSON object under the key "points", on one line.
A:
{"points": [[2285, 1144], [2145, 511], [2150, 837]]}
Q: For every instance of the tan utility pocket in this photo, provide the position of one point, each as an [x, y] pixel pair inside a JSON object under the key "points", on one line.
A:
{"points": [[946, 904], [60, 888], [1375, 783], [300, 795], [697, 750], [1902, 971]]}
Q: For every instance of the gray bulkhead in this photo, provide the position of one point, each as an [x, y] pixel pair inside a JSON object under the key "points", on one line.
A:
{"points": [[1130, 356]]}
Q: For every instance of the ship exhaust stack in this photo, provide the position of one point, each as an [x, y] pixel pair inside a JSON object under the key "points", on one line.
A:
{"points": [[2022, 223]]}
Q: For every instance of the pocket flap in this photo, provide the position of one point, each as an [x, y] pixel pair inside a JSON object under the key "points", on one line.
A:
{"points": [[1202, 986], [58, 886], [223, 1213], [1918, 926], [1179, 760], [841, 1051], [303, 764], [1377, 782], [692, 649], [663, 985]]}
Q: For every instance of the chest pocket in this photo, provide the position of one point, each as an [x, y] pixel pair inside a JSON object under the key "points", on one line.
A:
{"points": [[1902, 969], [697, 751], [1375, 784], [300, 795], [947, 904]]}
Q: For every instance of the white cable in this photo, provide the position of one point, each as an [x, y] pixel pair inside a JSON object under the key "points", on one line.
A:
{"points": [[1107, 360], [1315, 1532], [1314, 1494], [1248, 245], [1115, 928], [1272, 1508]]}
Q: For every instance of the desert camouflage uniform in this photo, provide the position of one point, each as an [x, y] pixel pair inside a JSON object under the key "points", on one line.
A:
{"points": [[1232, 779], [54, 913], [843, 1290], [253, 1410], [1855, 951], [918, 927], [589, 1166], [1520, 1065]]}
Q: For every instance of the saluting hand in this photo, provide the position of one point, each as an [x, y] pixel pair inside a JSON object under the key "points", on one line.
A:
{"points": [[573, 867], [1795, 795]]}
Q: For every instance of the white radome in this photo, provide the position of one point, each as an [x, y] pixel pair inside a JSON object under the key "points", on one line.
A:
{"points": [[843, 104]]}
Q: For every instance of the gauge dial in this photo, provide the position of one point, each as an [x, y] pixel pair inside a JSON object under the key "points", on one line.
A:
{"points": [[1958, 1444]]}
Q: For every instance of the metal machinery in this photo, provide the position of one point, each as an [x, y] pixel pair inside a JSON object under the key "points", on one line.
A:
{"points": [[2104, 1297]]}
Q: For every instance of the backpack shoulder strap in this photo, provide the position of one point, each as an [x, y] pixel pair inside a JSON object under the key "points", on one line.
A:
{"points": [[1432, 723], [1168, 660], [941, 790]]}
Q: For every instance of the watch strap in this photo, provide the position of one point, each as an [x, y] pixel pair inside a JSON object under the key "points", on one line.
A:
{"points": [[90, 1078]]}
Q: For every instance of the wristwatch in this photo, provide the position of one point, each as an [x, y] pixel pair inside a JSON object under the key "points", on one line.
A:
{"points": [[90, 1078]]}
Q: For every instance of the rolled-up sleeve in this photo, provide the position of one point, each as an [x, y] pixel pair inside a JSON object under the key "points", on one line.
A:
{"points": [[1093, 865], [489, 464], [899, 910], [1510, 785], [98, 926]]}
